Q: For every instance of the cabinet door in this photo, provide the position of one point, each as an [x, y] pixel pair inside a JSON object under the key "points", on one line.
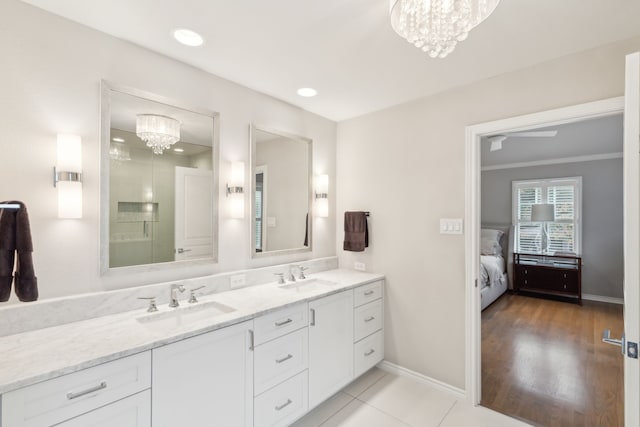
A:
{"points": [[206, 380], [330, 345], [133, 411]]}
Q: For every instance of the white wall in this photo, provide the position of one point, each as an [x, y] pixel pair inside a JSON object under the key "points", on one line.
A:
{"points": [[406, 166], [50, 76], [602, 231]]}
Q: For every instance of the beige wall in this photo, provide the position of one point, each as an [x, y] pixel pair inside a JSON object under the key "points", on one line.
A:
{"points": [[50, 76], [406, 166]]}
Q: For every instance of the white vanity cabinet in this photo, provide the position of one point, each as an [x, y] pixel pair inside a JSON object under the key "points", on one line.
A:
{"points": [[206, 380], [112, 394], [330, 345], [368, 322], [281, 360]]}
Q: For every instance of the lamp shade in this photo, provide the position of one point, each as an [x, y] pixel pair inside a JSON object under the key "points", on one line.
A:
{"points": [[543, 212]]}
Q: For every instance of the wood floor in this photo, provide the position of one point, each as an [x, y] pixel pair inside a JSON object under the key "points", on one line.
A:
{"points": [[543, 361]]}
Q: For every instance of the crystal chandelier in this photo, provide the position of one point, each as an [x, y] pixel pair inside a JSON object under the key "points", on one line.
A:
{"points": [[159, 132], [435, 26]]}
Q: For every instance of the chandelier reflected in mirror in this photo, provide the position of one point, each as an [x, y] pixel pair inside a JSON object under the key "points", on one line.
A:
{"points": [[159, 132], [436, 26]]}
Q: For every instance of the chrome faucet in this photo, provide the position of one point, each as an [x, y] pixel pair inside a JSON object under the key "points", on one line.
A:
{"points": [[291, 277], [173, 297]]}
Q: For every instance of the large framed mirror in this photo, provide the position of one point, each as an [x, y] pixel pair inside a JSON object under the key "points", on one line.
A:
{"points": [[159, 181], [281, 170]]}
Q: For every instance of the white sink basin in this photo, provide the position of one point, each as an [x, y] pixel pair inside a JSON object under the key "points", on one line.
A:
{"points": [[307, 285], [184, 316]]}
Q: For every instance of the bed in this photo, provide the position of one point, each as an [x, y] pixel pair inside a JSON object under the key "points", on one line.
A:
{"points": [[495, 250]]}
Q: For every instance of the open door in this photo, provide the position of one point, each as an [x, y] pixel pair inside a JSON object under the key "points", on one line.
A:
{"points": [[193, 213], [631, 240]]}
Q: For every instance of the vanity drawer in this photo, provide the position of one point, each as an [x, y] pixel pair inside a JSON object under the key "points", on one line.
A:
{"points": [[367, 319], [281, 322], [368, 352], [280, 359], [283, 404], [367, 293], [59, 399]]}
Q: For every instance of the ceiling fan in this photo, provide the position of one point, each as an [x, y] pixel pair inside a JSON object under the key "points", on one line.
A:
{"points": [[496, 140]]}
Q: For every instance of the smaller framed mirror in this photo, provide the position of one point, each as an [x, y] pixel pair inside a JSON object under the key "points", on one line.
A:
{"points": [[281, 197]]}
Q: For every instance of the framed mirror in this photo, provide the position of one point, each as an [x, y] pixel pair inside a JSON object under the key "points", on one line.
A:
{"points": [[159, 181], [281, 197]]}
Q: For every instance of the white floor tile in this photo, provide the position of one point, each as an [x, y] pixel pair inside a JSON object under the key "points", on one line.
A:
{"points": [[358, 414], [414, 403], [364, 382], [463, 414], [324, 411]]}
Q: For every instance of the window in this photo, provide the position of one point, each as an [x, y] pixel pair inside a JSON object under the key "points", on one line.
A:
{"points": [[563, 233]]}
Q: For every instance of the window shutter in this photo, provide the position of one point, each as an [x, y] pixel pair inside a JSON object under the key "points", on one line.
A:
{"points": [[259, 219], [526, 198], [563, 199], [563, 233]]}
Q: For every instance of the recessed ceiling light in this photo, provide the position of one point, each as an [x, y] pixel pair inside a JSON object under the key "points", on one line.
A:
{"points": [[307, 92], [188, 37], [117, 139], [178, 150]]}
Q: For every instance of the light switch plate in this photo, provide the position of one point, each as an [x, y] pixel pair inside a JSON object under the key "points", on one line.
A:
{"points": [[451, 226], [271, 221], [360, 266], [237, 281]]}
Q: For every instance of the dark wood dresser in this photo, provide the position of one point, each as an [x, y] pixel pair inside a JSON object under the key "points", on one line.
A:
{"points": [[557, 275]]}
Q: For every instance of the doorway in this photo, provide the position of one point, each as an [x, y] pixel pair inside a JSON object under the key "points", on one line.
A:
{"points": [[550, 118]]}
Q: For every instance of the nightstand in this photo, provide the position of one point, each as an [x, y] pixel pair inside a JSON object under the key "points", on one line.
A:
{"points": [[556, 275]]}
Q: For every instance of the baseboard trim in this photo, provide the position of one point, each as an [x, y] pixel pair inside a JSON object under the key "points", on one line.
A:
{"points": [[600, 298], [402, 371]]}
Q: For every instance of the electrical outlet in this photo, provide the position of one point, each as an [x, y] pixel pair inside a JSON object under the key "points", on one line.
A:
{"points": [[237, 281], [359, 266]]}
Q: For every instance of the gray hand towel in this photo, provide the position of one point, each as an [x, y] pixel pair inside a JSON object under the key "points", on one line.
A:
{"points": [[356, 232]]}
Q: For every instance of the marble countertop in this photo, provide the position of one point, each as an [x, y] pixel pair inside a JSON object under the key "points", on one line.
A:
{"points": [[42, 354]]}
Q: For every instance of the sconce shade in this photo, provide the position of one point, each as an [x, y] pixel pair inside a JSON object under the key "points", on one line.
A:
{"points": [[68, 176], [235, 190], [322, 196], [542, 213]]}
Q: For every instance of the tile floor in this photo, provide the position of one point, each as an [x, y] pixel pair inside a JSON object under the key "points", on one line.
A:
{"points": [[381, 399]]}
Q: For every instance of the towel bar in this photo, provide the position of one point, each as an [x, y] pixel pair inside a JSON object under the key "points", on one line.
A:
{"points": [[9, 206]]}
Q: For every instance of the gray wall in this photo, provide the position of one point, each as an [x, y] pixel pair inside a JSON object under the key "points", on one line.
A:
{"points": [[602, 231]]}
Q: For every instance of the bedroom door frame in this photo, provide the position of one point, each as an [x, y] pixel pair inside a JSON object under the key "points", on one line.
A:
{"points": [[473, 133]]}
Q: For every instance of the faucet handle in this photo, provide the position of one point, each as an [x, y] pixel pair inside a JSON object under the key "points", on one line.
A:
{"points": [[302, 269], [152, 304], [280, 278], [192, 294]]}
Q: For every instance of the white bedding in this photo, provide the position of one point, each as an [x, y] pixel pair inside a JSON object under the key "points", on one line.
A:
{"points": [[492, 268]]}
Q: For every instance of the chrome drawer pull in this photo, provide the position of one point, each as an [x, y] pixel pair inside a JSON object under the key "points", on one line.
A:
{"points": [[370, 352], [284, 405], [284, 359], [366, 294], [76, 394], [283, 322], [369, 319], [313, 317]]}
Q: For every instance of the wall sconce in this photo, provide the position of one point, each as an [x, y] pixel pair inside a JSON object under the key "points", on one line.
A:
{"points": [[67, 176], [235, 190], [322, 196]]}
